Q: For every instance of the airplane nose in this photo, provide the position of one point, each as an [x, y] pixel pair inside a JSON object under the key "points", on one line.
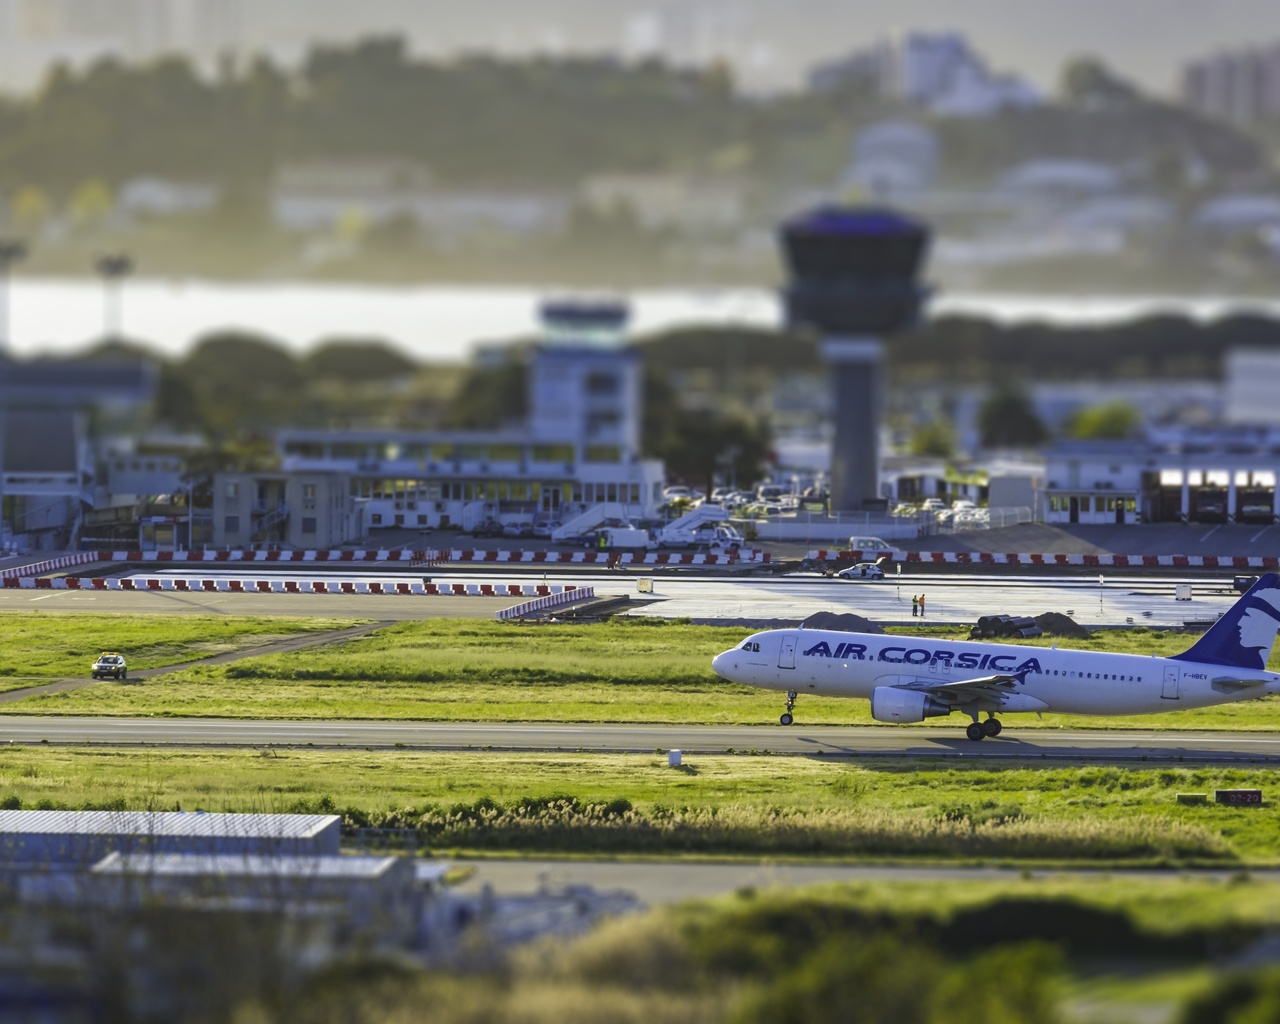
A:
{"points": [[720, 664]]}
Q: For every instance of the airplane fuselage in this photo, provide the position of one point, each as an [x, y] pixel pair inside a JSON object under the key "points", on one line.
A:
{"points": [[837, 664]]}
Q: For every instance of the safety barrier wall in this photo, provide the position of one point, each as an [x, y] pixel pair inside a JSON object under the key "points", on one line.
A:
{"points": [[541, 604], [369, 555], [1102, 561], [50, 565], [608, 558], [456, 555], [329, 586]]}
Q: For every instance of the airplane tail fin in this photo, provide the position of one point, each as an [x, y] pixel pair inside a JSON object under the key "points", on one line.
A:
{"points": [[1244, 636]]}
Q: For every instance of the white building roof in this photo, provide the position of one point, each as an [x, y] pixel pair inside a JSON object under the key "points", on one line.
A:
{"points": [[165, 823], [1241, 211]]}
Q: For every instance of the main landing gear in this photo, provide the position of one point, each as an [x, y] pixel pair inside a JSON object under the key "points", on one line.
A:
{"points": [[786, 719], [981, 730]]}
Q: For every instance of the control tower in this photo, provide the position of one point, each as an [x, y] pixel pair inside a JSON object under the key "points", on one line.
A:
{"points": [[854, 279], [585, 380]]}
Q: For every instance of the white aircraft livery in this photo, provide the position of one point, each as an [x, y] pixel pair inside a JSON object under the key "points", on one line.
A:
{"points": [[909, 679]]}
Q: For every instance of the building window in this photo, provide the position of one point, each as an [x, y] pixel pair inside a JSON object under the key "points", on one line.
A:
{"points": [[232, 524], [309, 491], [601, 384], [233, 491], [308, 524]]}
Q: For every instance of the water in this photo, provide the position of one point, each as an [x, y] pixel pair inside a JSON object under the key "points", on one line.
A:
{"points": [[444, 323]]}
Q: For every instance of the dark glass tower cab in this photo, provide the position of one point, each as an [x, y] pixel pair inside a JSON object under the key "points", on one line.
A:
{"points": [[855, 279]]}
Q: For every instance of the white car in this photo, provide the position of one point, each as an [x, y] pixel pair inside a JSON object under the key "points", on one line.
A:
{"points": [[862, 571]]}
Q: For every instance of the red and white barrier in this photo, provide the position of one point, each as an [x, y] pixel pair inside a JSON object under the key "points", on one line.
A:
{"points": [[540, 604], [341, 555], [430, 557], [250, 586], [51, 565], [1102, 561], [607, 557]]}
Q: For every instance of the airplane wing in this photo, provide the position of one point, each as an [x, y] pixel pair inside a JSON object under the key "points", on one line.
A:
{"points": [[994, 689]]}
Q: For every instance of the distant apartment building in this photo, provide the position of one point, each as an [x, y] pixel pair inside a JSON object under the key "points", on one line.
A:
{"points": [[308, 510], [36, 35], [1241, 86], [939, 72]]}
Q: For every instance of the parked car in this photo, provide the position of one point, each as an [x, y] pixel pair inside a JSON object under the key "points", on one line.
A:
{"points": [[518, 530], [488, 528], [862, 571]]}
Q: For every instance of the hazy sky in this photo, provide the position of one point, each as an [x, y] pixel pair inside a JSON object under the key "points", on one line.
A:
{"points": [[1148, 39]]}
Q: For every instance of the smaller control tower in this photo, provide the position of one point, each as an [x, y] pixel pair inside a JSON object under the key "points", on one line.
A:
{"points": [[585, 379], [855, 280]]}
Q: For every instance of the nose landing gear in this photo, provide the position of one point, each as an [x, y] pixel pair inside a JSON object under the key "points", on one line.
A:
{"points": [[980, 730], [786, 719]]}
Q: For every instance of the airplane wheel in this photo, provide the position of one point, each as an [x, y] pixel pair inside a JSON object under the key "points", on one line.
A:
{"points": [[992, 727], [975, 731], [786, 719]]}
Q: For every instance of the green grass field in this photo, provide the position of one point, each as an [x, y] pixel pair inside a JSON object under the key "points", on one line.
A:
{"points": [[36, 649], [725, 804], [495, 672], [1018, 951]]}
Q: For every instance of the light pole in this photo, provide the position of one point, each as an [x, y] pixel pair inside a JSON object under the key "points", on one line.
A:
{"points": [[11, 251], [113, 269]]}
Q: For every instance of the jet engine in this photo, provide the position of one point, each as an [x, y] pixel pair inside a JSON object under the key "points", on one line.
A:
{"points": [[894, 704]]}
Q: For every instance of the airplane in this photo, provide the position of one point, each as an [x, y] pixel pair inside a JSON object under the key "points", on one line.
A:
{"points": [[908, 679]]}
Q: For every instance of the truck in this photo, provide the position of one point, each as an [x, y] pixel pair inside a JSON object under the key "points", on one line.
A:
{"points": [[623, 538]]}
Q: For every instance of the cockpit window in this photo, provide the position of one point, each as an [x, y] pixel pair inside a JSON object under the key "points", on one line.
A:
{"points": [[749, 646]]}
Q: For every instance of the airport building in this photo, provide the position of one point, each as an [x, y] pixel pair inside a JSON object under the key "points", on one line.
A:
{"points": [[578, 448], [1202, 476], [52, 839]]}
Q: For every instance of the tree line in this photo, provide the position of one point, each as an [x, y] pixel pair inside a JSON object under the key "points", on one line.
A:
{"points": [[533, 122]]}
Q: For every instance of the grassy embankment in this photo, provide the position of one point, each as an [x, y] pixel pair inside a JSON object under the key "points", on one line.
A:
{"points": [[37, 649], [714, 805], [1022, 951], [495, 672]]}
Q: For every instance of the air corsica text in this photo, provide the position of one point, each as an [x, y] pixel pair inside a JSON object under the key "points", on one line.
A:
{"points": [[923, 656]]}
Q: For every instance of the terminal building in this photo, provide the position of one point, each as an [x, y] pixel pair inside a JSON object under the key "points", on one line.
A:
{"points": [[578, 449]]}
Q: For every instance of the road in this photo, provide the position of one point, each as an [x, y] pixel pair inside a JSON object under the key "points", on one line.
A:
{"points": [[852, 741], [655, 883], [383, 607]]}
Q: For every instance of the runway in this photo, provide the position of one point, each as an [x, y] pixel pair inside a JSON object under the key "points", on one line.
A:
{"points": [[828, 741]]}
